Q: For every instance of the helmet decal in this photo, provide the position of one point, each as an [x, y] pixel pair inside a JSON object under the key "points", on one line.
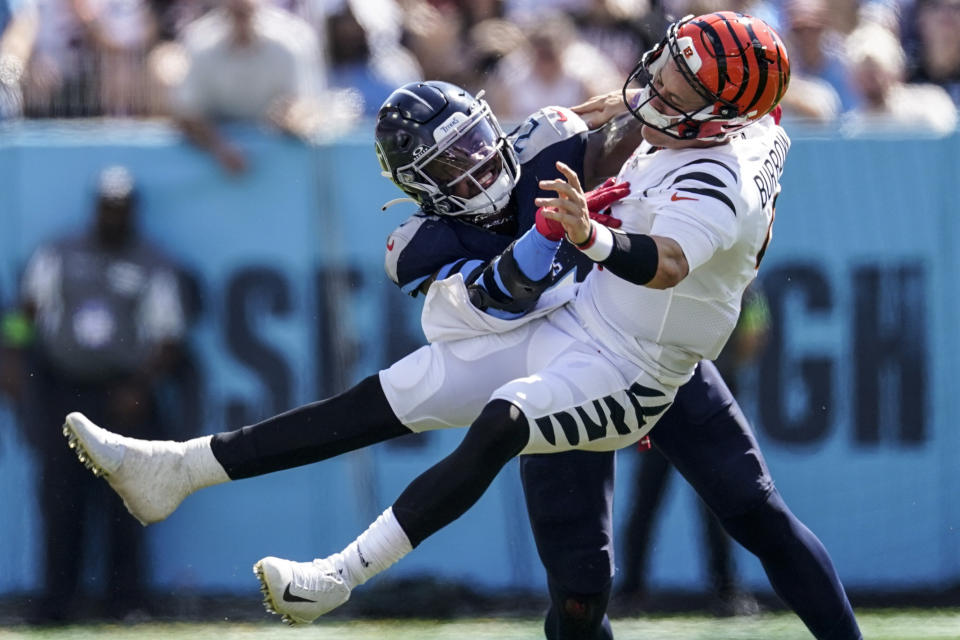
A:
{"points": [[449, 126], [690, 55]]}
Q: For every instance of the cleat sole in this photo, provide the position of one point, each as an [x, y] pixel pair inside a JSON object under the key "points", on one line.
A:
{"points": [[83, 455], [268, 602]]}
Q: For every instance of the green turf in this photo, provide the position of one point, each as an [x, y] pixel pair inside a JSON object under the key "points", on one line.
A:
{"points": [[879, 625]]}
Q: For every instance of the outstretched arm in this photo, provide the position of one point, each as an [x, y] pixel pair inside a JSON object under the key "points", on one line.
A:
{"points": [[653, 261]]}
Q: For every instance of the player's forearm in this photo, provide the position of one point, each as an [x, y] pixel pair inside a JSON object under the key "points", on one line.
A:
{"points": [[513, 281], [651, 261]]}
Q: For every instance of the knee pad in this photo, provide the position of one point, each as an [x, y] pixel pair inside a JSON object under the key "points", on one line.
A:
{"points": [[503, 432]]}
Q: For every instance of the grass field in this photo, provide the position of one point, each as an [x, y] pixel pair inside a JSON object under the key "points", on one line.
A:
{"points": [[878, 625]]}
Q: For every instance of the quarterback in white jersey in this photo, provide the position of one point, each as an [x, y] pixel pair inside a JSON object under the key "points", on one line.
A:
{"points": [[716, 204]]}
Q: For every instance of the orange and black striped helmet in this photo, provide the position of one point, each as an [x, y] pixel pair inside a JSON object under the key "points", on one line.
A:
{"points": [[735, 62]]}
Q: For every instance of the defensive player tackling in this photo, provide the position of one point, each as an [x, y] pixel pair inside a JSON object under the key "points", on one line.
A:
{"points": [[531, 366]]}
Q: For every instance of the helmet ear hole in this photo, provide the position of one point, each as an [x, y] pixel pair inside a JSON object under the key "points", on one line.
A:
{"points": [[403, 140]]}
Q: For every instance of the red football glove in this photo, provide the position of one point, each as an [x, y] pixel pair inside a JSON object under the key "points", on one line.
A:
{"points": [[598, 200], [550, 229]]}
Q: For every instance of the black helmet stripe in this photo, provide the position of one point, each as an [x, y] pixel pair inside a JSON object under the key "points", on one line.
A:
{"points": [[718, 49], [781, 77], [745, 81], [762, 64]]}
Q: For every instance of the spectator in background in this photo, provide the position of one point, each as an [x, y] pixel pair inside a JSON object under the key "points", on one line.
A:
{"points": [[553, 67], [816, 50], [121, 32], [459, 41], [489, 42], [476, 11], [18, 31], [167, 62], [937, 59], [888, 104], [87, 58], [434, 34], [352, 63], [247, 62], [654, 472], [821, 87], [60, 80], [845, 15], [622, 29], [99, 324]]}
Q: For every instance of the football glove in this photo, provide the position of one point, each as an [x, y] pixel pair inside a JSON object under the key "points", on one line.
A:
{"points": [[598, 201]]}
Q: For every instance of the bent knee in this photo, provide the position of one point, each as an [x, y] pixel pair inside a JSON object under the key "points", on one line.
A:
{"points": [[501, 429]]}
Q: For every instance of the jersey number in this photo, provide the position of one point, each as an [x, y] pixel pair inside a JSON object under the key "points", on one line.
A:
{"points": [[520, 141]]}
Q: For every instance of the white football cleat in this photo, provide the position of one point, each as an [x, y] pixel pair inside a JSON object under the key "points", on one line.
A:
{"points": [[300, 592], [147, 474]]}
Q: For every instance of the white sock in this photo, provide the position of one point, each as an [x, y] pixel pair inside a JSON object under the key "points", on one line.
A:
{"points": [[201, 465], [377, 548]]}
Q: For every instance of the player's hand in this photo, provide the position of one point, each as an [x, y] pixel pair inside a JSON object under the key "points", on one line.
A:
{"points": [[569, 208], [549, 229], [599, 110], [600, 199]]}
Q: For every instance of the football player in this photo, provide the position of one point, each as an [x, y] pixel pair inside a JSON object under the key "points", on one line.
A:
{"points": [[541, 368], [703, 433]]}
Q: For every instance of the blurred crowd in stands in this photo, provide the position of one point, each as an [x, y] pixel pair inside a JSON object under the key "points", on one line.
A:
{"points": [[310, 66]]}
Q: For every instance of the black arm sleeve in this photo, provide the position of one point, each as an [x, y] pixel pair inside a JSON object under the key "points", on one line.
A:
{"points": [[634, 257]]}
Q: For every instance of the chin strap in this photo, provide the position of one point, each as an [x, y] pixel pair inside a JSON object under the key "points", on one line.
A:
{"points": [[389, 204]]}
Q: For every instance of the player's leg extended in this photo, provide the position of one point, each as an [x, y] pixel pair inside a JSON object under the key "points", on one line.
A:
{"points": [[586, 394], [437, 386], [570, 503], [713, 447], [302, 591], [153, 477]]}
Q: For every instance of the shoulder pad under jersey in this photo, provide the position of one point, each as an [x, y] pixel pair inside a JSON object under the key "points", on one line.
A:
{"points": [[546, 127], [398, 240]]}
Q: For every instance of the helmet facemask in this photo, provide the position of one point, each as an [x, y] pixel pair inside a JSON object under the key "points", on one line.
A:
{"points": [[468, 170]]}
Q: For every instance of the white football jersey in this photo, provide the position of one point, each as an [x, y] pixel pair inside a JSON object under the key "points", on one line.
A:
{"points": [[718, 204]]}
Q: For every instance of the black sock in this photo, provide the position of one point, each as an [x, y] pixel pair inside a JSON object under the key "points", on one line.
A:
{"points": [[356, 418], [446, 490]]}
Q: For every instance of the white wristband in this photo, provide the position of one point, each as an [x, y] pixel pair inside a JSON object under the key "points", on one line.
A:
{"points": [[602, 245]]}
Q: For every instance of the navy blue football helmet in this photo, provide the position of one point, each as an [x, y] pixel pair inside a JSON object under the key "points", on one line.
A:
{"points": [[445, 149]]}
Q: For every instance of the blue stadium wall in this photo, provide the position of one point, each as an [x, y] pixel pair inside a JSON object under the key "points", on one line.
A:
{"points": [[855, 402]]}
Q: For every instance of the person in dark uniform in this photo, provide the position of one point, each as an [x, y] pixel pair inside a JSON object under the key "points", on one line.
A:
{"points": [[99, 322]]}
